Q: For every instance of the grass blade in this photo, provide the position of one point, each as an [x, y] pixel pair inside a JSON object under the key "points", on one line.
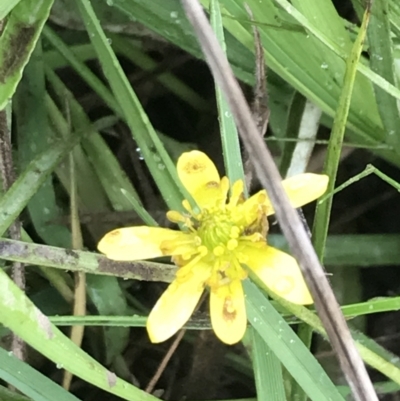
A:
{"points": [[23, 26], [33, 138], [267, 371], [27, 184], [381, 62], [29, 381], [322, 213], [292, 353], [21, 316], [158, 161], [227, 126]]}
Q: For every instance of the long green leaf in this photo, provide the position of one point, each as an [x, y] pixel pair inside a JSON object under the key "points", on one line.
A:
{"points": [[18, 40], [228, 131], [20, 315], [292, 353], [29, 381], [267, 371], [323, 210], [157, 159], [33, 138], [30, 180], [382, 62]]}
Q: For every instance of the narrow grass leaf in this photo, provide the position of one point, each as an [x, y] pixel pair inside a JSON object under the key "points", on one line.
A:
{"points": [[23, 26], [381, 62], [6, 6], [30, 180], [360, 250], [29, 381], [109, 299], [130, 50], [292, 353], [21, 316], [33, 138], [227, 126], [372, 353], [267, 371], [82, 69], [91, 194], [104, 163], [158, 161], [322, 213], [289, 53], [8, 395]]}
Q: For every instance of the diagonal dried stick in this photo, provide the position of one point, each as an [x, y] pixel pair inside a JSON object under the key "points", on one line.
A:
{"points": [[325, 301], [259, 106], [8, 177]]}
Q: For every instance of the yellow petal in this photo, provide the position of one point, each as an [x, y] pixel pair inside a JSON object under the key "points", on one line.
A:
{"points": [[195, 169], [135, 243], [200, 177], [228, 312], [174, 307], [302, 189], [280, 273]]}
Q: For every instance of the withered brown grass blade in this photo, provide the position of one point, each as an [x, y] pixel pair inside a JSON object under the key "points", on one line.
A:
{"points": [[292, 227]]}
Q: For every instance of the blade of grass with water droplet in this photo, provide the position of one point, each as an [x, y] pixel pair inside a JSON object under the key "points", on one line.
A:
{"points": [[292, 353], [381, 62], [267, 370], [158, 161], [227, 126]]}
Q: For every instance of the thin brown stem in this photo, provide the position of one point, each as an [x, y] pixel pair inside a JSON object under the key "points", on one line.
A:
{"points": [[8, 177], [164, 362], [170, 352], [259, 105]]}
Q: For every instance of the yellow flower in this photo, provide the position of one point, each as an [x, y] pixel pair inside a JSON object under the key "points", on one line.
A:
{"points": [[212, 248]]}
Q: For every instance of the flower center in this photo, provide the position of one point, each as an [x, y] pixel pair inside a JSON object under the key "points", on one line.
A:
{"points": [[217, 230]]}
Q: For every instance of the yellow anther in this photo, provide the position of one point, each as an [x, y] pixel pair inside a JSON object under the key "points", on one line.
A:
{"points": [[235, 232], [186, 205], [203, 251], [236, 193], [232, 244], [175, 217], [218, 250]]}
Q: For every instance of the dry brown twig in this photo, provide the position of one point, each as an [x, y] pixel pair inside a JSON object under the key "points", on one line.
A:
{"points": [[8, 177]]}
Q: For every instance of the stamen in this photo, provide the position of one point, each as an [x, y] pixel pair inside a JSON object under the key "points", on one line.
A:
{"points": [[232, 244], [176, 217], [218, 250], [236, 193], [235, 232]]}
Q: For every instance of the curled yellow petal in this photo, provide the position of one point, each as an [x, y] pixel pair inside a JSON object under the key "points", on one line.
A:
{"points": [[174, 307], [135, 243], [279, 272], [228, 312]]}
